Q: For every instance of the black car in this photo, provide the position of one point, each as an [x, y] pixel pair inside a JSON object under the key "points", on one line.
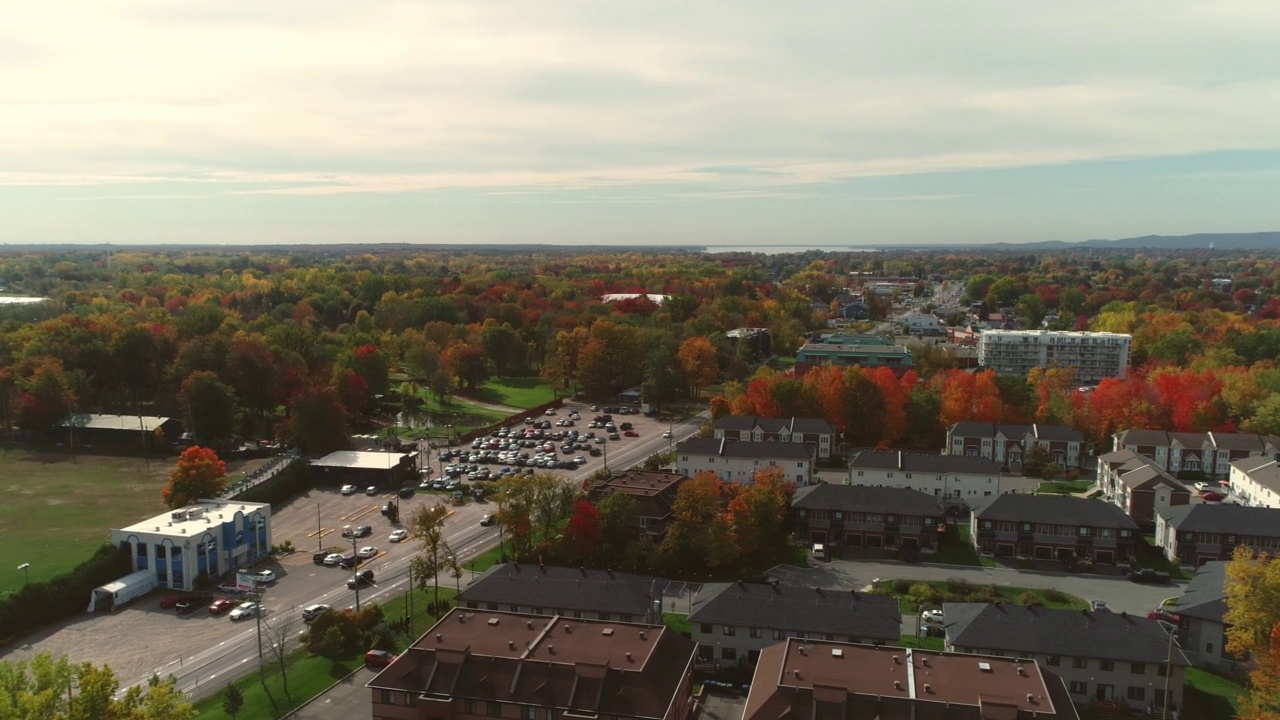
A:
{"points": [[364, 578], [348, 561], [406, 492], [318, 558], [364, 531]]}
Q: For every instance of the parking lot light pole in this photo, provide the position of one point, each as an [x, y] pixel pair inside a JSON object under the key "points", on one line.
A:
{"points": [[26, 573], [355, 563], [319, 531]]}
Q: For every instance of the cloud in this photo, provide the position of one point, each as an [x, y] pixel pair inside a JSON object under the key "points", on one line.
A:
{"points": [[318, 98]]}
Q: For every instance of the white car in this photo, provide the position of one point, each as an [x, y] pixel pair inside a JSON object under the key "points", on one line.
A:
{"points": [[367, 552], [348, 489], [332, 559], [933, 617], [1202, 486], [398, 535], [666, 433], [244, 610], [263, 577]]}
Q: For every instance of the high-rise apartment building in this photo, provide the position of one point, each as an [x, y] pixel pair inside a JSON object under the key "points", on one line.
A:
{"points": [[1093, 355]]}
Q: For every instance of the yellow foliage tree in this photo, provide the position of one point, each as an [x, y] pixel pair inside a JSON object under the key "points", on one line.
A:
{"points": [[1253, 629]]}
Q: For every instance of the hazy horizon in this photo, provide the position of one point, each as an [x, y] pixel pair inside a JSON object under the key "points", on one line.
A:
{"points": [[146, 122]]}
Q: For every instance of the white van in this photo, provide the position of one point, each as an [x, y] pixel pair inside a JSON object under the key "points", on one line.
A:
{"points": [[819, 551], [312, 612]]}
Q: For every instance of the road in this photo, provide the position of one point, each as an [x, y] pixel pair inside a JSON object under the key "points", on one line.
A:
{"points": [[213, 654]]}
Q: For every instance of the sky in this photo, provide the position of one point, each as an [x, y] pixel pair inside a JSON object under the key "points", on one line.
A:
{"points": [[770, 124]]}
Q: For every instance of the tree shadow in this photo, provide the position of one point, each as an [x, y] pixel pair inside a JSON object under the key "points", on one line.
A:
{"points": [[340, 669]]}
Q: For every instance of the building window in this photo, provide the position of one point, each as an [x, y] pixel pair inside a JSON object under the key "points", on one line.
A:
{"points": [[531, 713], [491, 606], [1053, 661], [1080, 663], [730, 630], [707, 629], [1138, 668], [535, 610], [779, 634], [1161, 669], [859, 473], [1106, 665], [754, 632], [492, 709], [1137, 694], [1078, 687], [606, 616], [728, 653], [469, 706]]}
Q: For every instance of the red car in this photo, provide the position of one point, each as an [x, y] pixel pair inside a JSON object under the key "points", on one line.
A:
{"points": [[631, 433], [378, 658], [1162, 615], [171, 600], [221, 605], [1211, 496]]}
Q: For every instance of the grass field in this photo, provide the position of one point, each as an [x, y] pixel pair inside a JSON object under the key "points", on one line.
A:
{"points": [[958, 549], [523, 393], [1214, 696], [1064, 487], [58, 507]]}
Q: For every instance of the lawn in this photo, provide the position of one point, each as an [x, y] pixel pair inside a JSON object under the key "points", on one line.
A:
{"points": [[957, 549], [923, 643], [59, 507], [523, 393], [484, 560], [679, 622], [962, 591], [1213, 696], [458, 413]]}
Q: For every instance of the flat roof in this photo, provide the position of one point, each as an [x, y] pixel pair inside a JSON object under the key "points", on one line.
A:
{"points": [[643, 483], [499, 634], [191, 518], [97, 421], [926, 676], [361, 459]]}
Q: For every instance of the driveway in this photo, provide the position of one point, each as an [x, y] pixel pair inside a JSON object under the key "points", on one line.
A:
{"points": [[1119, 594]]}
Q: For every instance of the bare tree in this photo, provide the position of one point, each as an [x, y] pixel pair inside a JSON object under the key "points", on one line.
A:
{"points": [[278, 637], [427, 524]]}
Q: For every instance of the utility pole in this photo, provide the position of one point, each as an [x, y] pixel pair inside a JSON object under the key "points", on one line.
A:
{"points": [[408, 606], [319, 531], [355, 563]]}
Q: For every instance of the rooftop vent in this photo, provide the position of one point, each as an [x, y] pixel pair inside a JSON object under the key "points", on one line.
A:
{"points": [[928, 688], [439, 637], [984, 666], [493, 621], [800, 647], [1022, 672], [897, 684], [628, 656], [551, 649], [528, 624], [897, 659], [567, 630], [511, 644], [924, 661], [795, 674], [607, 632], [837, 652], [642, 636]]}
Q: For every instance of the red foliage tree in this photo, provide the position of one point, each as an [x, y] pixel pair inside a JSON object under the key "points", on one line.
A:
{"points": [[583, 531]]}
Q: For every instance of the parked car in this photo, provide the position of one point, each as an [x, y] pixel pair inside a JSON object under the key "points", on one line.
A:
{"points": [[348, 561], [332, 559], [1159, 614], [348, 489], [1202, 486], [666, 433], [932, 617], [230, 587], [406, 492], [398, 535], [264, 577], [319, 557], [379, 658], [245, 610], [1097, 605], [1149, 576], [371, 490], [367, 552], [171, 600], [1211, 496], [631, 433], [220, 606], [928, 630], [487, 520]]}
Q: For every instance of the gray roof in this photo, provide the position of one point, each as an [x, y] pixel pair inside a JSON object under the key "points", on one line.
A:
{"points": [[842, 613], [1264, 471], [922, 462], [1056, 509], [744, 449], [816, 426], [561, 588], [865, 498], [1146, 477], [1222, 518], [1070, 633], [1188, 439], [1139, 436], [1205, 598], [1236, 441], [1050, 433], [97, 421]]}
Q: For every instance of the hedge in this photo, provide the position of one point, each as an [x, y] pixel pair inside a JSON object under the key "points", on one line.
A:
{"points": [[45, 602]]}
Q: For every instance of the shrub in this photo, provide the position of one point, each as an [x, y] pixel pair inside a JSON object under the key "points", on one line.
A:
{"points": [[1054, 595], [925, 594], [1029, 598], [960, 587], [901, 587], [40, 603]]}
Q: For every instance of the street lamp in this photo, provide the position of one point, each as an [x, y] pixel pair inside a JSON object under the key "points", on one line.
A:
{"points": [[26, 572], [355, 563]]}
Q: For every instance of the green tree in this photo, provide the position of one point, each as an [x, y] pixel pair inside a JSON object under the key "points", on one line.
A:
{"points": [[48, 398], [232, 700], [532, 510], [427, 525], [317, 422], [210, 407], [619, 522], [198, 474]]}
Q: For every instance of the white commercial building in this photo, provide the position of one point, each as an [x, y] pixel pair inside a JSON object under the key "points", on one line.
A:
{"points": [[1094, 356], [738, 461], [206, 539]]}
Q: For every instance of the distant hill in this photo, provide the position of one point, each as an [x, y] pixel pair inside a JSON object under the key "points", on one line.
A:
{"points": [[1219, 241]]}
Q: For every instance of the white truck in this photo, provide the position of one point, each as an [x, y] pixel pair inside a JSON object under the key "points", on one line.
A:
{"points": [[119, 592]]}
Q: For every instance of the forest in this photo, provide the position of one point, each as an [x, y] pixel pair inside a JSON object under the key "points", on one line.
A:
{"points": [[304, 345]]}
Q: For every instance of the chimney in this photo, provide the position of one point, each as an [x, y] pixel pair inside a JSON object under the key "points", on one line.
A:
{"points": [[642, 634], [1031, 698], [1021, 671], [551, 649], [795, 674], [528, 624]]}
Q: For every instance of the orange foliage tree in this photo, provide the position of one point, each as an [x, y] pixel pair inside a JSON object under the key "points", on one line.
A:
{"points": [[199, 474]]}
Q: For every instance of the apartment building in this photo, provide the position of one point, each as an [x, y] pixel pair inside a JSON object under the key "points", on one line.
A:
{"points": [[817, 434], [738, 461], [1093, 356], [1202, 630], [568, 592], [1136, 485], [1196, 534], [858, 516], [1209, 453], [812, 680], [956, 480], [1255, 481], [1008, 445], [1053, 527], [654, 493], [475, 665]]}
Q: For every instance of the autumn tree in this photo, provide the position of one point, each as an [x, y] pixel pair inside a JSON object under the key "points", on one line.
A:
{"points": [[700, 534], [36, 689], [467, 363], [699, 362], [757, 513], [210, 407], [971, 396], [198, 474], [1252, 620], [532, 510], [582, 533], [618, 516], [48, 397], [427, 525]]}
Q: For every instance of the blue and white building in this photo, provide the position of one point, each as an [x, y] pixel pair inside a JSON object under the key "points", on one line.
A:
{"points": [[208, 538]]}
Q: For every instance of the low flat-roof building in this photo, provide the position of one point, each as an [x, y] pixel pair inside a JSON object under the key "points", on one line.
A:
{"points": [[484, 664], [572, 592], [142, 431], [814, 680], [654, 493], [363, 468], [844, 351], [208, 538]]}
